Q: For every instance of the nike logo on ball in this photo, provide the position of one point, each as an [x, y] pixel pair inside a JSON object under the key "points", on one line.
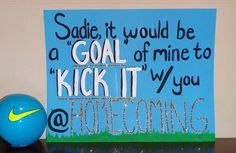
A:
{"points": [[15, 117]]}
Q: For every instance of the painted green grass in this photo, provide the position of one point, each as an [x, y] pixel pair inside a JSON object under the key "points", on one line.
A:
{"points": [[138, 137]]}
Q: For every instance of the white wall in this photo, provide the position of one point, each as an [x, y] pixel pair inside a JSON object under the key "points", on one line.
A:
{"points": [[22, 48]]}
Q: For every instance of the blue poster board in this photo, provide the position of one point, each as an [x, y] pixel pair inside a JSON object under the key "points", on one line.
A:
{"points": [[130, 75]]}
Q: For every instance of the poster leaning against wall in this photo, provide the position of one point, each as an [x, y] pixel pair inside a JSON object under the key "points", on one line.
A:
{"points": [[130, 75]]}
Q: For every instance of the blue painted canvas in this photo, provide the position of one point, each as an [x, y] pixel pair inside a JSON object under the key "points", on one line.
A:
{"points": [[130, 75]]}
